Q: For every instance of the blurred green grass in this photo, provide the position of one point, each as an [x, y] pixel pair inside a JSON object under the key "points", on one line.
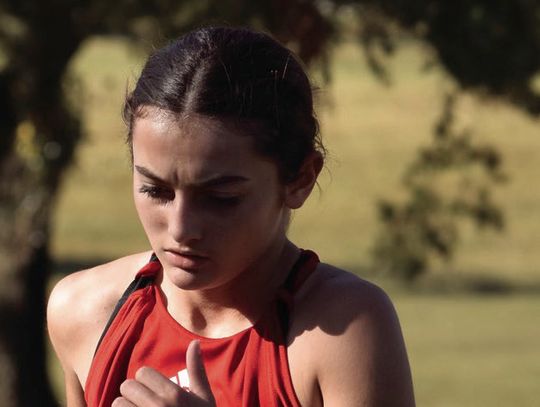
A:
{"points": [[467, 348], [473, 350]]}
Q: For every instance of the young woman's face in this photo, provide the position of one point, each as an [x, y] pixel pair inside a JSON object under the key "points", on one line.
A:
{"points": [[210, 205]]}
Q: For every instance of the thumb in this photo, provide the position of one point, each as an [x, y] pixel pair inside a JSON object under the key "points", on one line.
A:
{"points": [[198, 381]]}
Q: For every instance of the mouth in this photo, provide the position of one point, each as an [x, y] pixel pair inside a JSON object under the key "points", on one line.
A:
{"points": [[186, 260]]}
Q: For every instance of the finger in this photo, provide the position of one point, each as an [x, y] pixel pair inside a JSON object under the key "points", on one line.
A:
{"points": [[137, 393], [158, 384], [198, 381], [122, 402]]}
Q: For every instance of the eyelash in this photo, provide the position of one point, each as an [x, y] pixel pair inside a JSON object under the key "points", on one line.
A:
{"points": [[158, 194], [155, 193]]}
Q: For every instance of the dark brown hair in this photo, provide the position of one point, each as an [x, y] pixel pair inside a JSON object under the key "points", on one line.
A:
{"points": [[238, 74]]}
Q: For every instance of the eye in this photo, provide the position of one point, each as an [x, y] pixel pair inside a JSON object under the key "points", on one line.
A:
{"points": [[157, 193]]}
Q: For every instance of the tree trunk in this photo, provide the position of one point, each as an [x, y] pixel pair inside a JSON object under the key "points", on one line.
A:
{"points": [[38, 134], [23, 277]]}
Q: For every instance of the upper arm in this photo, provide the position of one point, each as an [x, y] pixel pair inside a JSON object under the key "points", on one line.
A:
{"points": [[63, 331], [78, 309], [74, 390], [358, 351]]}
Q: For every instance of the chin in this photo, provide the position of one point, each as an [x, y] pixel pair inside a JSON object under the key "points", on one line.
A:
{"points": [[189, 280]]}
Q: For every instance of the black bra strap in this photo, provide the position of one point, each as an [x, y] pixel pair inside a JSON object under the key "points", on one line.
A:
{"points": [[138, 283]]}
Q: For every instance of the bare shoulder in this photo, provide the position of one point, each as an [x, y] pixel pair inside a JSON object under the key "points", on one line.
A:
{"points": [[81, 303], [347, 330], [93, 290], [334, 302]]}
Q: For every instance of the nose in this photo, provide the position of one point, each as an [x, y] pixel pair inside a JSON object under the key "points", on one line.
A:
{"points": [[184, 223]]}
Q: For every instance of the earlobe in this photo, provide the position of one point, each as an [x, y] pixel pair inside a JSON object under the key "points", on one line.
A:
{"points": [[298, 190]]}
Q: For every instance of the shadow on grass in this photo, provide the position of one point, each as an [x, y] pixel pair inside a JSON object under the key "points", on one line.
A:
{"points": [[63, 267], [462, 283], [478, 285]]}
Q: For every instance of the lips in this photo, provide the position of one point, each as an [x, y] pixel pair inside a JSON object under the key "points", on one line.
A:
{"points": [[185, 260]]}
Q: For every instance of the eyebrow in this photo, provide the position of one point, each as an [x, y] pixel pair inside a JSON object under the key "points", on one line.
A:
{"points": [[211, 182], [148, 174]]}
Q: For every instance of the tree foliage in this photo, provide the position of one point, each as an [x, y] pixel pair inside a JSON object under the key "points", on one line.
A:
{"points": [[451, 179], [488, 46]]}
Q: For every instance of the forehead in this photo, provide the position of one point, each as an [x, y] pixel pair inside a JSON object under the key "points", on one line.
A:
{"points": [[194, 146]]}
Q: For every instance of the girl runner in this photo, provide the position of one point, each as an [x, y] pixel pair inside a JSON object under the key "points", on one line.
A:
{"points": [[225, 310]]}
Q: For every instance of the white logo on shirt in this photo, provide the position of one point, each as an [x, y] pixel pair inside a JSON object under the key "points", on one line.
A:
{"points": [[181, 379]]}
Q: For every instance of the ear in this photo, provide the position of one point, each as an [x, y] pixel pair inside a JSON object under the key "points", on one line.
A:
{"points": [[298, 190]]}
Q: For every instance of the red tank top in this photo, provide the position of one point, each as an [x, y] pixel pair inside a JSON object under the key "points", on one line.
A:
{"points": [[249, 368]]}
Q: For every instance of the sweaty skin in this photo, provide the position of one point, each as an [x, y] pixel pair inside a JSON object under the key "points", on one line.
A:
{"points": [[215, 213]]}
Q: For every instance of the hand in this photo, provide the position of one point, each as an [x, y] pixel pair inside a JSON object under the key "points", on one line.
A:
{"points": [[151, 389]]}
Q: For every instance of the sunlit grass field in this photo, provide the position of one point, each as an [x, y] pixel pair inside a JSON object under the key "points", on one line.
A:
{"points": [[466, 348]]}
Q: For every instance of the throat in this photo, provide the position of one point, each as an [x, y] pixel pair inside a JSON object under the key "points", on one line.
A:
{"points": [[220, 324], [210, 315], [227, 310]]}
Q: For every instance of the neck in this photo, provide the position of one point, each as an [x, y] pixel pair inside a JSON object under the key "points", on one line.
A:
{"points": [[236, 305]]}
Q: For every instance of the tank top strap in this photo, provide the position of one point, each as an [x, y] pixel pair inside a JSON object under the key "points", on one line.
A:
{"points": [[144, 277], [150, 269], [300, 272]]}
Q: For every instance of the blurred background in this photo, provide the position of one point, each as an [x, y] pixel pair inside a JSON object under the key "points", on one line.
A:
{"points": [[430, 114]]}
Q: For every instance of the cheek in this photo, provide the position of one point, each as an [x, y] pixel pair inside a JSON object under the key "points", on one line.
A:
{"points": [[151, 217], [140, 205], [262, 217]]}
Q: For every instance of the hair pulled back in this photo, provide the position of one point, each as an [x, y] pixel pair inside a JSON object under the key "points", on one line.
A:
{"points": [[238, 74]]}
